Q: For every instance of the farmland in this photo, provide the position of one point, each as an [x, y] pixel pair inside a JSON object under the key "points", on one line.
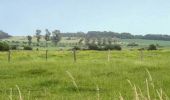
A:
{"points": [[68, 44], [91, 77]]}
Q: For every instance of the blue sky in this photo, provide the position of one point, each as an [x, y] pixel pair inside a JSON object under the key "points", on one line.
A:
{"points": [[23, 17]]}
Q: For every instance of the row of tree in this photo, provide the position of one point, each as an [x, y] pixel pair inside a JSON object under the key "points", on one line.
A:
{"points": [[54, 36], [124, 35], [95, 34]]}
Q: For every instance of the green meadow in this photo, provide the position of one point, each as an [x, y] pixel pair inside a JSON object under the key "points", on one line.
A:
{"points": [[96, 75]]}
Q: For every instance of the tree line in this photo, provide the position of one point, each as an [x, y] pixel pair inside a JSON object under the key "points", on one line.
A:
{"points": [[93, 34], [54, 36], [124, 35]]}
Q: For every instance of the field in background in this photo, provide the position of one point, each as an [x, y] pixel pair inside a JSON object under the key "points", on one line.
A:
{"points": [[143, 42], [65, 43], [92, 77]]}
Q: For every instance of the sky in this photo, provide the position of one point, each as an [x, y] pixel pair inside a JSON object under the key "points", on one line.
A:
{"points": [[23, 17]]}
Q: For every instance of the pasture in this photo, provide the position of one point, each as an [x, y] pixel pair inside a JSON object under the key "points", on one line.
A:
{"points": [[66, 43], [28, 76]]}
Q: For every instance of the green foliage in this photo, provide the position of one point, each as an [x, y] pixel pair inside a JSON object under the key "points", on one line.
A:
{"points": [[105, 47], [109, 41], [56, 36], [14, 47], [93, 47], [4, 46], [112, 47], [152, 47], [80, 41], [99, 41], [47, 36], [104, 41], [76, 48], [87, 41], [29, 40], [28, 48], [38, 35]]}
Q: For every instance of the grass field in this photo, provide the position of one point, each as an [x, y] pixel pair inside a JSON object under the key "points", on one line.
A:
{"points": [[92, 77]]}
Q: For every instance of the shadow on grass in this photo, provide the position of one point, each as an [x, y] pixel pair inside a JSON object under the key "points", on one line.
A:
{"points": [[36, 72]]}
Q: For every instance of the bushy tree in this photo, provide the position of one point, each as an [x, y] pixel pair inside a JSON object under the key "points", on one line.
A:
{"points": [[80, 41], [47, 36], [152, 47], [109, 41], [99, 41], [29, 40], [112, 47], [104, 41], [38, 36], [87, 41], [27, 48], [4, 46], [93, 47], [56, 36], [93, 41]]}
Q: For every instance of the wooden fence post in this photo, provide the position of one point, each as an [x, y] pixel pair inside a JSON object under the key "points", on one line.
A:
{"points": [[46, 55], [74, 54], [9, 56]]}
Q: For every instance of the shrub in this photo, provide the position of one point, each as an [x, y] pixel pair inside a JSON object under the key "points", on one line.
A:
{"points": [[112, 47], [152, 47], [27, 48], [4, 46], [76, 48], [14, 47], [93, 47]]}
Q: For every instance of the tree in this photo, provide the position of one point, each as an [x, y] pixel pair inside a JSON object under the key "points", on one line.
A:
{"points": [[152, 47], [38, 36], [109, 41], [115, 40], [104, 41], [80, 41], [29, 39], [47, 36], [56, 36], [93, 41], [112, 47], [93, 47], [99, 41], [87, 40], [4, 46]]}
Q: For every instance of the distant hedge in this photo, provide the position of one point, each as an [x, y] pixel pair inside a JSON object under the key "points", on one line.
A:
{"points": [[4, 46], [105, 47], [152, 47], [27, 48], [112, 47]]}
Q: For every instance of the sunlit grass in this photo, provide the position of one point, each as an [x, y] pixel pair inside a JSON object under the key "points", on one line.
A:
{"points": [[49, 80]]}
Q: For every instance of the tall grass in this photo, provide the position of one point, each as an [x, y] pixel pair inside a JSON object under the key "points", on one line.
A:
{"points": [[92, 75]]}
